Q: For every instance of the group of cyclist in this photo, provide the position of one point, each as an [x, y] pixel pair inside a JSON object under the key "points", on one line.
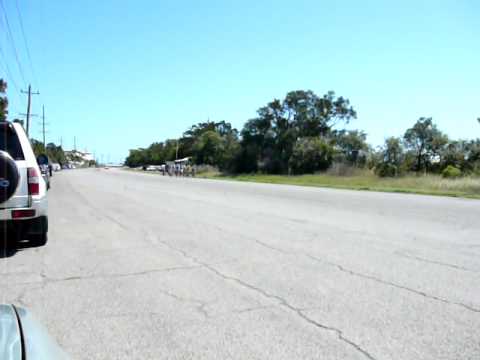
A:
{"points": [[179, 170]]}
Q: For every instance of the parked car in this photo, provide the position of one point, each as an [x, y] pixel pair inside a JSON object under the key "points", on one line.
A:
{"points": [[23, 337], [45, 168], [56, 167], [23, 191]]}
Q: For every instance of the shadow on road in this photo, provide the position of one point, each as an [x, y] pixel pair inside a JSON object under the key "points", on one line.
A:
{"points": [[8, 248]]}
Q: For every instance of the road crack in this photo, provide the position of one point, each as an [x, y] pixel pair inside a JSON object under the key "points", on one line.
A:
{"points": [[48, 279], [418, 258], [369, 277], [389, 283], [251, 309], [200, 305], [292, 308], [281, 301]]}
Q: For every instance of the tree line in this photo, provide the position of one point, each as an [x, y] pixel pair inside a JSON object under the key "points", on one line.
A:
{"points": [[54, 152], [300, 134]]}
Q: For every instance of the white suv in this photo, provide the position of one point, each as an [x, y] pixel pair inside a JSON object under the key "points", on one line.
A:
{"points": [[23, 192]]}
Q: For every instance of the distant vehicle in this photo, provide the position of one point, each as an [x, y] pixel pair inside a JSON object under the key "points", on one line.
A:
{"points": [[56, 167], [45, 168], [151, 168], [23, 337], [23, 191]]}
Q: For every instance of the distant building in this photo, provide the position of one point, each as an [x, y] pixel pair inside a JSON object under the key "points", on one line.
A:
{"points": [[78, 157]]}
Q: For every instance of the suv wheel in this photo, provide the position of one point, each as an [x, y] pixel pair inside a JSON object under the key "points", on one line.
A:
{"points": [[9, 176], [39, 239]]}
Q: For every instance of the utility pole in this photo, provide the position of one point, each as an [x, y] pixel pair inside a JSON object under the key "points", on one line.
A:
{"points": [[29, 103], [43, 125]]}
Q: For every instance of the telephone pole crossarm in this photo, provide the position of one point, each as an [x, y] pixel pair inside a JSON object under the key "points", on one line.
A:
{"points": [[29, 103]]}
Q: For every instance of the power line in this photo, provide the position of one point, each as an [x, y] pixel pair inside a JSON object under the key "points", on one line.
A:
{"points": [[12, 42], [8, 72], [7, 69], [26, 44], [9, 75]]}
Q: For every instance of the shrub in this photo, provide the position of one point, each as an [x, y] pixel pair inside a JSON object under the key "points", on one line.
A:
{"points": [[310, 155], [386, 170], [342, 169], [451, 172], [202, 169]]}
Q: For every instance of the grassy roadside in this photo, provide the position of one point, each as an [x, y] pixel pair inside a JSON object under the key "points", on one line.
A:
{"points": [[468, 187], [427, 185]]}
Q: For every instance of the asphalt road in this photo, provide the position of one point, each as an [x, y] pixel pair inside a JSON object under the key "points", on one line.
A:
{"points": [[141, 266]]}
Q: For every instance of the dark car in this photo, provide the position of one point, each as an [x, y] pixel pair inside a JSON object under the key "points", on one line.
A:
{"points": [[45, 168]]}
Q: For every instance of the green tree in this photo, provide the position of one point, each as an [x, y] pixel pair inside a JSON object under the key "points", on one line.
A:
{"points": [[56, 153], [462, 154], [393, 151], [208, 147], [212, 143], [313, 115], [3, 101], [269, 139], [37, 147], [136, 157], [311, 154], [392, 157], [353, 145], [258, 141], [192, 135], [425, 142], [156, 154]]}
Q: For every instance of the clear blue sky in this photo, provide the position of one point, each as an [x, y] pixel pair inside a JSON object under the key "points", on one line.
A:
{"points": [[121, 74]]}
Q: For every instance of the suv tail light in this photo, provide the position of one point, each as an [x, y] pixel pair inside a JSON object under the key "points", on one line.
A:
{"points": [[33, 181], [18, 214]]}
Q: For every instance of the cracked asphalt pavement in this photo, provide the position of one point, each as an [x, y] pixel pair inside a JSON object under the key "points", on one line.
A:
{"points": [[140, 266]]}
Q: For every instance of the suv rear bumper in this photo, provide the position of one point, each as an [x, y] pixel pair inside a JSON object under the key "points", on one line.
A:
{"points": [[40, 206], [23, 228]]}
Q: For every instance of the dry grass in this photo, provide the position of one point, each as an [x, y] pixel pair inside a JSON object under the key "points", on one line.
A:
{"points": [[431, 184]]}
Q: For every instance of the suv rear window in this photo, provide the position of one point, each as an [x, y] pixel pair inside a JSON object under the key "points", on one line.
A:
{"points": [[9, 142]]}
